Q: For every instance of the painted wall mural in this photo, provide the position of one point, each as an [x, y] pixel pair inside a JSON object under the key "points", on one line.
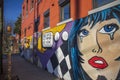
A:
{"points": [[55, 58], [94, 46], [84, 49]]}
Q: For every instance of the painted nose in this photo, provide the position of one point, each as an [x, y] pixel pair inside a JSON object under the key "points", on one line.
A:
{"points": [[96, 48]]}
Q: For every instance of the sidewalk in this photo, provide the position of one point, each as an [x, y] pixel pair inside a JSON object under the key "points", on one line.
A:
{"points": [[4, 75], [25, 70]]}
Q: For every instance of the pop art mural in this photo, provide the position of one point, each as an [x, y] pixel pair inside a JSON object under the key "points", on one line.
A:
{"points": [[94, 46], [84, 49]]}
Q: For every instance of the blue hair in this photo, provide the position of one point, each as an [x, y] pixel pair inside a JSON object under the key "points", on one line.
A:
{"points": [[78, 72]]}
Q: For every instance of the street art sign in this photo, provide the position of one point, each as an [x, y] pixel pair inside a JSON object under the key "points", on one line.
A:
{"points": [[47, 39]]}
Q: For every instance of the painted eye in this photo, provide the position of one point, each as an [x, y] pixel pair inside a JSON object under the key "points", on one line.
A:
{"points": [[83, 33], [108, 29]]}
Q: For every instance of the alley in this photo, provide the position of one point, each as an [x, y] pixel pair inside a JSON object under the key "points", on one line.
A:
{"points": [[28, 71]]}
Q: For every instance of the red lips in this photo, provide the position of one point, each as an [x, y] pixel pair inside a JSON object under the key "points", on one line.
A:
{"points": [[98, 62]]}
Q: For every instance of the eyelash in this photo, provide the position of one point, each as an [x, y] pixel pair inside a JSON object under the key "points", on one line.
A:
{"points": [[83, 33], [109, 29]]}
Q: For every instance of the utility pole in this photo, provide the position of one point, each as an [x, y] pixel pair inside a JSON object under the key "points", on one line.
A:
{"points": [[9, 51]]}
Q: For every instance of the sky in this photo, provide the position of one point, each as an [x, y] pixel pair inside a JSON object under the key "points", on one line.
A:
{"points": [[12, 9]]}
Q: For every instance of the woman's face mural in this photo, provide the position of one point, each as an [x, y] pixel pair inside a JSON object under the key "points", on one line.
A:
{"points": [[100, 48]]}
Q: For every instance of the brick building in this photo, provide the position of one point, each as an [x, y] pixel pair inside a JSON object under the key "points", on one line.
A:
{"points": [[48, 14]]}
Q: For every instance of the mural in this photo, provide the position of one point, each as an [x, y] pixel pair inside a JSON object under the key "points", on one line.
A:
{"points": [[84, 49], [56, 57], [94, 46], [51, 52]]}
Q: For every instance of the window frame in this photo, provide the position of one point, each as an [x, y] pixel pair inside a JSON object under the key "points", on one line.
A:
{"points": [[97, 5], [63, 4], [26, 7], [32, 4], [114, 3], [23, 10], [47, 16], [38, 1]]}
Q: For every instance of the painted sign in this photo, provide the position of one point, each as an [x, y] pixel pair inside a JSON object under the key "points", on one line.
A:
{"points": [[47, 39]]}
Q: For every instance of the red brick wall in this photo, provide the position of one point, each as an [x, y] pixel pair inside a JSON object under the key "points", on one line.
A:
{"points": [[78, 9], [54, 12], [27, 20]]}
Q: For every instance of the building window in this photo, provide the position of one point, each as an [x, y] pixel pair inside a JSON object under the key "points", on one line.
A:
{"points": [[26, 7], [46, 19], [32, 3], [99, 3], [64, 9], [25, 32], [23, 11], [38, 1]]}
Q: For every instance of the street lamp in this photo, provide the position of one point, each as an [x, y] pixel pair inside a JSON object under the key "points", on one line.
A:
{"points": [[9, 29]]}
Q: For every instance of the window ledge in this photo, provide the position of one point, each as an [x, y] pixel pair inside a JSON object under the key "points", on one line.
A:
{"points": [[65, 21], [45, 28], [114, 3]]}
